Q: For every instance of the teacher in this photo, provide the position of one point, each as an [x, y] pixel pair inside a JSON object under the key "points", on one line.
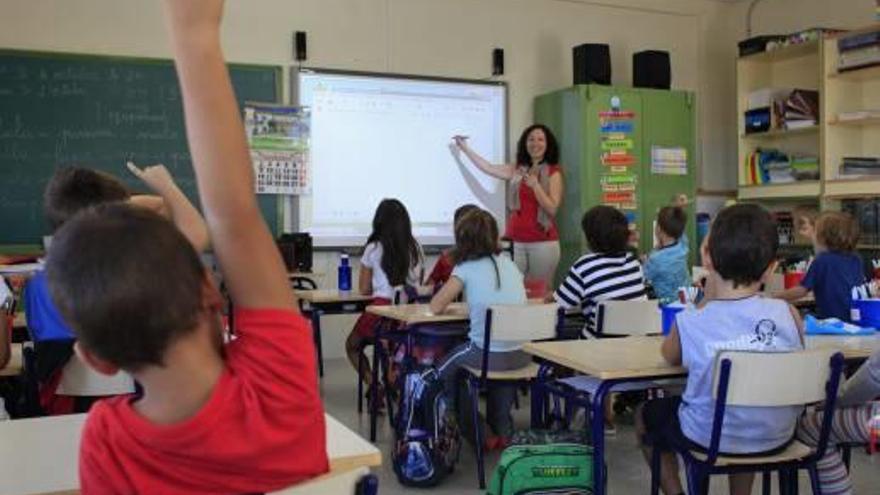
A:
{"points": [[534, 194]]}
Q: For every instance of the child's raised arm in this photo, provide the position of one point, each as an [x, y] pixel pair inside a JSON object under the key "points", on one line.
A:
{"points": [[251, 263]]}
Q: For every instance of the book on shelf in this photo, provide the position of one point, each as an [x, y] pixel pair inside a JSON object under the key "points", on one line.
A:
{"points": [[859, 40], [858, 166], [859, 58]]}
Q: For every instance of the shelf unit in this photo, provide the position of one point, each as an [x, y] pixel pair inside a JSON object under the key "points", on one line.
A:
{"points": [[796, 66], [813, 66], [792, 190]]}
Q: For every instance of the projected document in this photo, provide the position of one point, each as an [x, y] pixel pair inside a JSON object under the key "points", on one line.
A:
{"points": [[382, 137]]}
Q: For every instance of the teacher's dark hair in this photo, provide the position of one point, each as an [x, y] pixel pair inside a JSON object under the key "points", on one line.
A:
{"points": [[551, 156]]}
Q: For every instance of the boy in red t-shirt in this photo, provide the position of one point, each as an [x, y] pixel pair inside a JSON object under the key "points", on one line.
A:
{"points": [[237, 418]]}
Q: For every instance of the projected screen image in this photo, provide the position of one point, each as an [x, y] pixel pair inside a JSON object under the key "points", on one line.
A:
{"points": [[376, 137]]}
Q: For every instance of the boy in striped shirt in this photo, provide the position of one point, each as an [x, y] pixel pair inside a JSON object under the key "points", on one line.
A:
{"points": [[608, 272]]}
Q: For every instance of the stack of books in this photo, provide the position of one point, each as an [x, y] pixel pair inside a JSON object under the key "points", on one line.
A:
{"points": [[858, 51], [799, 110], [805, 167], [858, 166]]}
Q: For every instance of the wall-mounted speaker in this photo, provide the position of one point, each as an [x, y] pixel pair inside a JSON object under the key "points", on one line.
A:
{"points": [[651, 69], [498, 62], [592, 64], [300, 52]]}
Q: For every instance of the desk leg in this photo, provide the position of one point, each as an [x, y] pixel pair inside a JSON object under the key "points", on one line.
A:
{"points": [[597, 422], [316, 334], [373, 401]]}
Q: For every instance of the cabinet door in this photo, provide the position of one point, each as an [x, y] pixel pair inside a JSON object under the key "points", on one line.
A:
{"points": [[667, 137]]}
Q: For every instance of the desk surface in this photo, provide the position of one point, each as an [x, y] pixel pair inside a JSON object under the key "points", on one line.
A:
{"points": [[13, 368], [330, 296], [40, 455], [635, 357], [421, 313]]}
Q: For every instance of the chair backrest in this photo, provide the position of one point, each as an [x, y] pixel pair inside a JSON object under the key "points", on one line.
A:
{"points": [[639, 317], [302, 283], [343, 483], [798, 377], [79, 380], [522, 322]]}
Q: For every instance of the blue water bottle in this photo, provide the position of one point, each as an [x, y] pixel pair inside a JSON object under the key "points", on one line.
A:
{"points": [[344, 280]]}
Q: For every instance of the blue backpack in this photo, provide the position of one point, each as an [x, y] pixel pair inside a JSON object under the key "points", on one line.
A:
{"points": [[427, 439]]}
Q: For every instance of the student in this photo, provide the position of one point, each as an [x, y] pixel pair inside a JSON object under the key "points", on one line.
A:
{"points": [[607, 272], [443, 267], [740, 254], [856, 407], [666, 266], [486, 278], [237, 418], [836, 269], [70, 190], [392, 260]]}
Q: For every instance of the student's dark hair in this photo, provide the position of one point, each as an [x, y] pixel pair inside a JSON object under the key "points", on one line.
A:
{"points": [[742, 243], [606, 230], [672, 220], [461, 211], [127, 282], [476, 237], [70, 189], [551, 156], [837, 231], [393, 231]]}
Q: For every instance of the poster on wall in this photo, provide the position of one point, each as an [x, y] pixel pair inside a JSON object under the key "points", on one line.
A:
{"points": [[279, 143], [617, 147], [669, 160]]}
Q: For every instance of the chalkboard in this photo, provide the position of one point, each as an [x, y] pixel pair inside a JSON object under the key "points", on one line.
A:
{"points": [[61, 109]]}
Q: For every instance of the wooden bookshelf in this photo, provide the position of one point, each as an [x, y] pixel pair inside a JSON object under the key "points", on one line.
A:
{"points": [[865, 121], [791, 190], [864, 74], [782, 133], [785, 53]]}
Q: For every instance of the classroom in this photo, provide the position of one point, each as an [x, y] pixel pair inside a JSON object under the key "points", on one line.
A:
{"points": [[448, 246]]}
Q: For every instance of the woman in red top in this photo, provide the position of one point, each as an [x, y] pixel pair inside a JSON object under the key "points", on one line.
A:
{"points": [[534, 194]]}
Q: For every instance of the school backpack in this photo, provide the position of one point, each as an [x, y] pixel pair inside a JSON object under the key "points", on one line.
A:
{"points": [[544, 463], [427, 439]]}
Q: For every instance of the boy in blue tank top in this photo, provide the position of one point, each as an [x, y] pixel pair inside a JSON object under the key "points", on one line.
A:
{"points": [[739, 254]]}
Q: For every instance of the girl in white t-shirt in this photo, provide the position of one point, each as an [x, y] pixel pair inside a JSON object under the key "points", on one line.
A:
{"points": [[392, 259]]}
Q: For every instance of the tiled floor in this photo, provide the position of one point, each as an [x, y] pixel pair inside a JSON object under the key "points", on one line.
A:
{"points": [[628, 474]]}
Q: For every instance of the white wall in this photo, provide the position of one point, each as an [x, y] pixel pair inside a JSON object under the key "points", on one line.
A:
{"points": [[431, 37]]}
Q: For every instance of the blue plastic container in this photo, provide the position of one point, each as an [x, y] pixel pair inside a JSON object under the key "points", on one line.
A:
{"points": [[668, 312], [344, 278], [866, 312]]}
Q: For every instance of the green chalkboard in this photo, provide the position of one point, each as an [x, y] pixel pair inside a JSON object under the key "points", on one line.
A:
{"points": [[60, 109]]}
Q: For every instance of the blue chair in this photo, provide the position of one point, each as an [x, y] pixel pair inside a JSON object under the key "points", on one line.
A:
{"points": [[509, 323], [799, 378]]}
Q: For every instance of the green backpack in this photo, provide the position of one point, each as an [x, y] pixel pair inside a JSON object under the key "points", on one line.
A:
{"points": [[544, 469]]}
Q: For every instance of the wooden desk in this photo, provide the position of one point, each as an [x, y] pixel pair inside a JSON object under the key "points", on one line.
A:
{"points": [[328, 302], [629, 359], [41, 455], [14, 367], [412, 314], [330, 296]]}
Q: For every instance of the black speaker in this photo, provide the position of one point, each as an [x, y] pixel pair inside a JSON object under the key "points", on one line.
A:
{"points": [[592, 64], [498, 62], [296, 250], [300, 52], [651, 69]]}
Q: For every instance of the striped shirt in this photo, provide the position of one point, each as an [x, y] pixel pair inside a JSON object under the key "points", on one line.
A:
{"points": [[600, 277]]}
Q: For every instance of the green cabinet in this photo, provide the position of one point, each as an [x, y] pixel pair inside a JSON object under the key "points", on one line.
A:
{"points": [[627, 147]]}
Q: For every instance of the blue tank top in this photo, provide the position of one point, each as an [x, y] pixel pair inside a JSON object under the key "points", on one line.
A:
{"points": [[750, 324], [43, 319]]}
